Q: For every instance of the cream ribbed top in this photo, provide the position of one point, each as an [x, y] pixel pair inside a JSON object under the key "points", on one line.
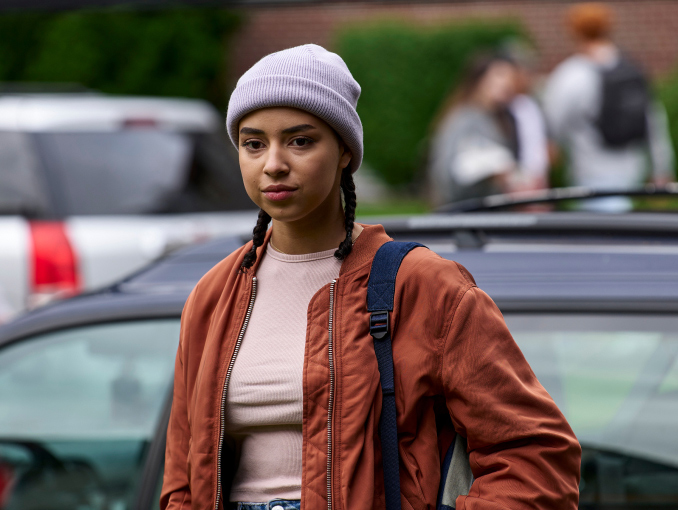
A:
{"points": [[264, 400]]}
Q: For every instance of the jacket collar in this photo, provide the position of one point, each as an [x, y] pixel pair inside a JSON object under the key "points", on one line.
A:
{"points": [[365, 247]]}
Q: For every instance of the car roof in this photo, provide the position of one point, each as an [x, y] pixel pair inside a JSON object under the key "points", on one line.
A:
{"points": [[99, 112], [558, 262], [568, 261]]}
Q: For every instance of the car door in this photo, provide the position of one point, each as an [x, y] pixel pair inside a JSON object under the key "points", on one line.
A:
{"points": [[80, 408]]}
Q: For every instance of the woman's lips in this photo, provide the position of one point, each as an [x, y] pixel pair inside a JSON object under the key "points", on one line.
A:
{"points": [[276, 196], [278, 193]]}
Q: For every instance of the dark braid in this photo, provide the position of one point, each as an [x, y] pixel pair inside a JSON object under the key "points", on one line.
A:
{"points": [[258, 236], [348, 189]]}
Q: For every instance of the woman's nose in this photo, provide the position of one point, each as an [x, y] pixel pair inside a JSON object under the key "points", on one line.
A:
{"points": [[276, 162]]}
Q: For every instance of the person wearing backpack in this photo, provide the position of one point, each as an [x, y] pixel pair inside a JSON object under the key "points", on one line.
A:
{"points": [[284, 396], [600, 111]]}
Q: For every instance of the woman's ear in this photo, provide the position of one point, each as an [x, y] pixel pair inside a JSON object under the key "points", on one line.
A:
{"points": [[345, 157]]}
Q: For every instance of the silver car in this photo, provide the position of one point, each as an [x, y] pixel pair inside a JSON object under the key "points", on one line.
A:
{"points": [[93, 187]]}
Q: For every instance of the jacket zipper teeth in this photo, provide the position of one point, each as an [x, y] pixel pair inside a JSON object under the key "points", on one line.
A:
{"points": [[331, 401], [223, 394]]}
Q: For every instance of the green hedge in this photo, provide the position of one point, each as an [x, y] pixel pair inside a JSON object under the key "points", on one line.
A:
{"points": [[175, 52], [668, 94], [406, 72]]}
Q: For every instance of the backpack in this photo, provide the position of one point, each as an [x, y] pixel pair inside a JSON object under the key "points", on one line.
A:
{"points": [[625, 101], [456, 476]]}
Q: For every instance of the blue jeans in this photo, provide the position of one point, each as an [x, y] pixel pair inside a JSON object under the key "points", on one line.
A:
{"points": [[276, 504]]}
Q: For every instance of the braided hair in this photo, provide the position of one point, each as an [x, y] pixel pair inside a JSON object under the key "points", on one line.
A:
{"points": [[345, 247], [258, 236], [348, 190]]}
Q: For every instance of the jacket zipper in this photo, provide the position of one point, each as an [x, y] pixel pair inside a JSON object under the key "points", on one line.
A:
{"points": [[225, 390], [330, 406]]}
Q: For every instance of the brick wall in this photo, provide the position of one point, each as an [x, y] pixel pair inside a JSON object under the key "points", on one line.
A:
{"points": [[647, 29]]}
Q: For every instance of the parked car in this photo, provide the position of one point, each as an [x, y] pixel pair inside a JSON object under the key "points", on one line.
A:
{"points": [[591, 300], [93, 187]]}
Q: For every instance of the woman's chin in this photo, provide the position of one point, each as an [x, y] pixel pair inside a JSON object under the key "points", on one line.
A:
{"points": [[283, 214]]}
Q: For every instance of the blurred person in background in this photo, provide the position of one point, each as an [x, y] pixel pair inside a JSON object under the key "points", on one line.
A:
{"points": [[600, 111], [474, 151], [533, 144]]}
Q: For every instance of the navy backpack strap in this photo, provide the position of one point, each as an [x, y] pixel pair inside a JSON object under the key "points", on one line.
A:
{"points": [[380, 294]]}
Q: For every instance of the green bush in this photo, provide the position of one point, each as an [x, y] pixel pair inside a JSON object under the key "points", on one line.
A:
{"points": [[406, 72], [668, 94], [173, 52]]}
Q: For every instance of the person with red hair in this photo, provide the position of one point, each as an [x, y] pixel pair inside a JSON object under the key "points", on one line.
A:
{"points": [[599, 109]]}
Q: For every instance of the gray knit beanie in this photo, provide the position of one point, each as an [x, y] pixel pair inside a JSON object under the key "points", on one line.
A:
{"points": [[309, 78]]}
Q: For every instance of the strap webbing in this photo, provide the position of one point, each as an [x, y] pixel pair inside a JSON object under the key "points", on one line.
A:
{"points": [[380, 295]]}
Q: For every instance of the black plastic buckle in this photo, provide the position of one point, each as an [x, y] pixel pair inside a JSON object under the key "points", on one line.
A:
{"points": [[379, 324]]}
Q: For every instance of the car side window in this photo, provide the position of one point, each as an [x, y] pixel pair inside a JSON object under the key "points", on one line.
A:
{"points": [[615, 377], [610, 479], [142, 171], [214, 176], [78, 410]]}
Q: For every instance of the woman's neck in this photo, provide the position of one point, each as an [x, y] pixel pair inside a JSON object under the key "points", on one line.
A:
{"points": [[309, 236]]}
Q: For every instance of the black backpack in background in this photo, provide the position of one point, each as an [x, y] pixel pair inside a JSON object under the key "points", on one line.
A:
{"points": [[625, 100]]}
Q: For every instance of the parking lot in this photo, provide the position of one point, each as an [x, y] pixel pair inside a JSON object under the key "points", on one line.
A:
{"points": [[120, 190], [591, 303]]}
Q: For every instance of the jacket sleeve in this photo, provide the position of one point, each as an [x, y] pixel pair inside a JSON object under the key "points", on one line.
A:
{"points": [[522, 451], [176, 493]]}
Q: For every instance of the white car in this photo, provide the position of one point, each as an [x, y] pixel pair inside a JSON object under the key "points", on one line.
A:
{"points": [[93, 187]]}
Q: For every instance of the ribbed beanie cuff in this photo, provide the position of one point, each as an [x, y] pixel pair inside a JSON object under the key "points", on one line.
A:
{"points": [[309, 78]]}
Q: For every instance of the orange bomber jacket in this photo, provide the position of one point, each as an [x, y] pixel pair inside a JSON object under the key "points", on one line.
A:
{"points": [[457, 371]]}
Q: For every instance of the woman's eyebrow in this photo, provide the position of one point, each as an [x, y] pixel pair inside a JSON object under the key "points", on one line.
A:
{"points": [[297, 129], [251, 131]]}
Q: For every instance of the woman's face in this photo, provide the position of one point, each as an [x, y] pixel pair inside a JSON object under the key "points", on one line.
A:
{"points": [[497, 87], [291, 163]]}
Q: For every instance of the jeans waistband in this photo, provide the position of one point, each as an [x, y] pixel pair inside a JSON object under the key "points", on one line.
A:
{"points": [[276, 504]]}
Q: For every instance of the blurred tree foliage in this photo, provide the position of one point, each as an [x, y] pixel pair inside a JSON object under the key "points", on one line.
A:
{"points": [[668, 94], [406, 72], [171, 52]]}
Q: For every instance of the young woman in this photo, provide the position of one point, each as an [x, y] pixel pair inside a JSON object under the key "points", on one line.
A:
{"points": [[474, 151], [276, 392]]}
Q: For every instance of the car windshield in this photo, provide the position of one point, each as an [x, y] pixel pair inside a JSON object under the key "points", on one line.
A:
{"points": [[78, 409], [616, 380], [138, 171]]}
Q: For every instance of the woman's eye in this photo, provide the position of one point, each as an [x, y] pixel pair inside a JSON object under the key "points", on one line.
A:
{"points": [[253, 144], [301, 142]]}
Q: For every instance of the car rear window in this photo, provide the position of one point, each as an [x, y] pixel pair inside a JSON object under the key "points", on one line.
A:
{"points": [[615, 377], [141, 171]]}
